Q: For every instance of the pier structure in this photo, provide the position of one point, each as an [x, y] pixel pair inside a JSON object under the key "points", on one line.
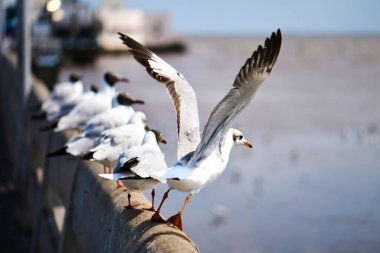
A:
{"points": [[63, 203]]}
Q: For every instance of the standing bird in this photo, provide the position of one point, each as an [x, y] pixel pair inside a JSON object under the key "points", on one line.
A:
{"points": [[85, 110], [120, 114], [65, 92], [202, 165], [54, 114], [115, 140], [137, 166]]}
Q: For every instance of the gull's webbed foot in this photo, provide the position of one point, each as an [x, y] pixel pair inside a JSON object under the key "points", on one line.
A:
{"points": [[119, 184], [130, 205], [176, 220], [157, 218]]}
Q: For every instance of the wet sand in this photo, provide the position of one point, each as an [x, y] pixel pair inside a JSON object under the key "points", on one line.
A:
{"points": [[312, 181]]}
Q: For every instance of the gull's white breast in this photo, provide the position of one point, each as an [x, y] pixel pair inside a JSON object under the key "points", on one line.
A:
{"points": [[194, 179]]}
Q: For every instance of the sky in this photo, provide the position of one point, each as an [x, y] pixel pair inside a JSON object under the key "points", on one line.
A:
{"points": [[250, 17]]}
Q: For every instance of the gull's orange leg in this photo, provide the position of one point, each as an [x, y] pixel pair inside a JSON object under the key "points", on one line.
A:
{"points": [[176, 219], [156, 216], [152, 208], [119, 184], [130, 206]]}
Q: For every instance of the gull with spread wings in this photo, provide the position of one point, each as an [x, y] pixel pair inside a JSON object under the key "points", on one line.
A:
{"points": [[202, 160]]}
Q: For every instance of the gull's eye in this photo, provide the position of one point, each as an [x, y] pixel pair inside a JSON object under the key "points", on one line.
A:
{"points": [[240, 137]]}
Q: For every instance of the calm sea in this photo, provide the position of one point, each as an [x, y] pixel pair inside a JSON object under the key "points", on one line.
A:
{"points": [[312, 181]]}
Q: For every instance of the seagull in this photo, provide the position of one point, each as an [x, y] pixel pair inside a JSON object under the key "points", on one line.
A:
{"points": [[65, 92], [206, 159], [58, 111], [115, 140], [120, 114], [85, 110], [136, 166]]}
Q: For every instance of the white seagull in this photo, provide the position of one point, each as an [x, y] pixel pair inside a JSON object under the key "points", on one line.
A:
{"points": [[120, 114], [137, 166], [85, 110], [207, 159], [115, 140], [64, 92], [58, 111]]}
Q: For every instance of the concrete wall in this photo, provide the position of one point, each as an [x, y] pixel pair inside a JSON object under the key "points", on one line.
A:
{"points": [[70, 208]]}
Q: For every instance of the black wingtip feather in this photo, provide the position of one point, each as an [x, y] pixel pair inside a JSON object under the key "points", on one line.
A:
{"points": [[38, 116], [270, 51], [60, 152], [88, 156], [49, 127], [129, 164], [142, 55]]}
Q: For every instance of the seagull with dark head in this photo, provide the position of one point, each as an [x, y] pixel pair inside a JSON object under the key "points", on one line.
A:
{"points": [[137, 166], [63, 93], [202, 160], [120, 114], [118, 139], [86, 109]]}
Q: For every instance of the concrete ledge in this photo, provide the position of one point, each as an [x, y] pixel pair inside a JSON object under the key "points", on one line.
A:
{"points": [[81, 211], [70, 208]]}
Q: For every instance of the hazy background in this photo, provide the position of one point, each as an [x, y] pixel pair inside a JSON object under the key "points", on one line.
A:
{"points": [[246, 17], [312, 181]]}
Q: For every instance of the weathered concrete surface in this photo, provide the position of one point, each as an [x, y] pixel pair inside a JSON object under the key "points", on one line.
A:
{"points": [[14, 237], [74, 210]]}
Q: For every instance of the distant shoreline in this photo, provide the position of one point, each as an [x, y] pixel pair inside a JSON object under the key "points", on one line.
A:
{"points": [[291, 36]]}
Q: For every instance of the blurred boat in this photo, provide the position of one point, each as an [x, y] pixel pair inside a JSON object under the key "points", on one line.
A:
{"points": [[73, 31], [149, 28], [73, 25], [77, 27]]}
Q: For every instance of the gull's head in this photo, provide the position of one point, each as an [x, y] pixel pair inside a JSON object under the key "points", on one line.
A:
{"points": [[238, 138], [74, 77], [124, 98], [94, 88], [112, 78], [159, 136], [138, 118]]}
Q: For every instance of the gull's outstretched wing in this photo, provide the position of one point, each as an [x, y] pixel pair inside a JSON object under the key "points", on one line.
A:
{"points": [[180, 91], [253, 73]]}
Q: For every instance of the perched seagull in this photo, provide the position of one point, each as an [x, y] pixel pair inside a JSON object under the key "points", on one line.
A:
{"points": [[115, 140], [65, 92], [58, 111], [85, 110], [202, 165], [137, 166], [120, 114]]}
